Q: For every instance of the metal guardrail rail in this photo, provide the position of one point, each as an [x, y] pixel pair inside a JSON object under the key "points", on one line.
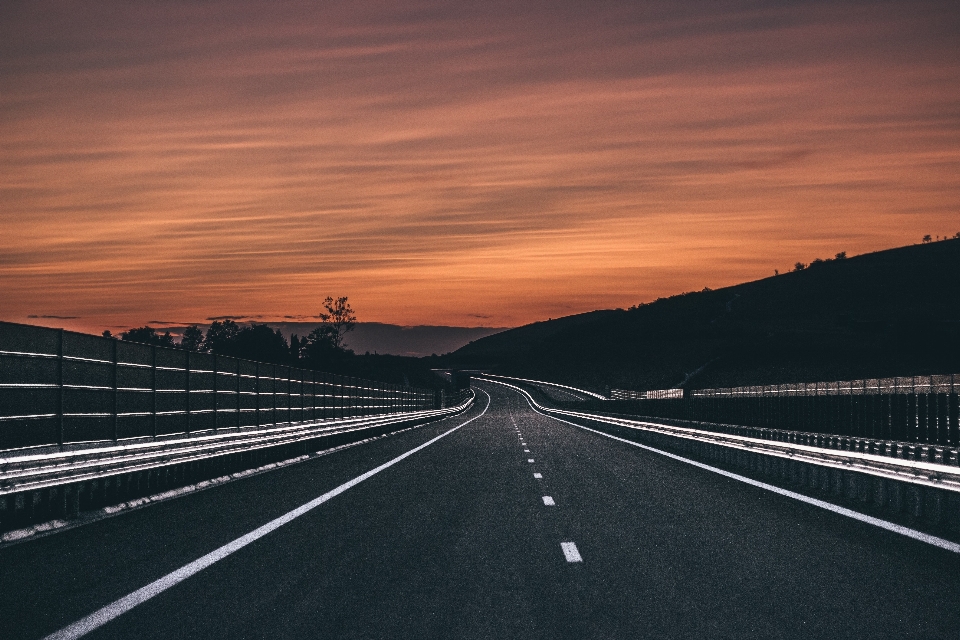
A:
{"points": [[923, 410], [930, 474], [55, 487], [656, 394], [33, 472], [549, 385], [887, 448], [934, 384]]}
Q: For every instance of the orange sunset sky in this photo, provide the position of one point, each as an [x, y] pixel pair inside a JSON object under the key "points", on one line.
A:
{"points": [[457, 163]]}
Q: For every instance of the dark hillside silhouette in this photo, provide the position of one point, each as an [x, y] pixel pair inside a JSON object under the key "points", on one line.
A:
{"points": [[893, 312]]}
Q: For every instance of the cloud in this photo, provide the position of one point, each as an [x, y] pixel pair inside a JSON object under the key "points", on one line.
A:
{"points": [[49, 317], [505, 161]]}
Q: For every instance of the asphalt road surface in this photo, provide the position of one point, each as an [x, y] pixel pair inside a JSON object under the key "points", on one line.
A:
{"points": [[514, 525]]}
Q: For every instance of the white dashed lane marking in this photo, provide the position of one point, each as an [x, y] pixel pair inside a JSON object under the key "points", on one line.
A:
{"points": [[538, 475], [526, 450], [570, 552], [529, 459], [547, 500]]}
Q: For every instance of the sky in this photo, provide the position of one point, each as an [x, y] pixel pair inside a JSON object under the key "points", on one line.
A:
{"points": [[457, 163]]}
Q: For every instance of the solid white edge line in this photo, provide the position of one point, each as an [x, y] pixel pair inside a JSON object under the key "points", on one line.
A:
{"points": [[100, 617], [920, 536], [570, 552]]}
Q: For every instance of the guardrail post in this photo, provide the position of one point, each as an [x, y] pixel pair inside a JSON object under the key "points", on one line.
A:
{"points": [[60, 389]]}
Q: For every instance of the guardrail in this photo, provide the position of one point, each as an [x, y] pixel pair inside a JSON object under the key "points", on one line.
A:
{"points": [[656, 394], [887, 448], [544, 386], [37, 487], [31, 472], [60, 389], [927, 489], [915, 409], [87, 421]]}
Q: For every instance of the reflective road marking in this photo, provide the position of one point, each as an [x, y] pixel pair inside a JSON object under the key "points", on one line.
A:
{"points": [[570, 552]]}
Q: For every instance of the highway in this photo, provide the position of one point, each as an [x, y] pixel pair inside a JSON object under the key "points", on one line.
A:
{"points": [[506, 524]]}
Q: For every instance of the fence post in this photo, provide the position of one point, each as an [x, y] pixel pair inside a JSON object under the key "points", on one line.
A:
{"points": [[188, 391], [115, 367], [153, 388], [216, 405], [914, 410], [238, 392], [951, 412], [60, 389]]}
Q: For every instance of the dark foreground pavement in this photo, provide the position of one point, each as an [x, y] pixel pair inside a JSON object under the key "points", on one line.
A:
{"points": [[456, 541]]}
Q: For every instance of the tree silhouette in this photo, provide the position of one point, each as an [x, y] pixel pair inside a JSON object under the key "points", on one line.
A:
{"points": [[260, 342], [337, 321], [148, 335], [324, 347], [296, 347], [192, 339], [221, 337], [254, 342]]}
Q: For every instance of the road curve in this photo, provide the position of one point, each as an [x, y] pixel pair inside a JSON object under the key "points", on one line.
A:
{"points": [[461, 539]]}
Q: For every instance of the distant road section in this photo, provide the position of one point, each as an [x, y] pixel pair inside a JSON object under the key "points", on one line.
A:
{"points": [[498, 523], [553, 390]]}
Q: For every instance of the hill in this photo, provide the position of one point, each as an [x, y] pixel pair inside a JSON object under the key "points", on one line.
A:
{"points": [[892, 312]]}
